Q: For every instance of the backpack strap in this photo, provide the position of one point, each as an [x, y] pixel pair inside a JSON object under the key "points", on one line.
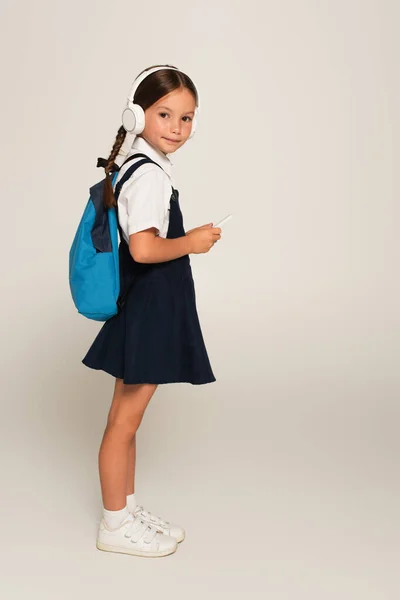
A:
{"points": [[124, 179], [126, 176], [131, 170]]}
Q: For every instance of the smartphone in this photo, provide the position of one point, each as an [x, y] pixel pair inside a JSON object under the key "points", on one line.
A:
{"points": [[220, 223]]}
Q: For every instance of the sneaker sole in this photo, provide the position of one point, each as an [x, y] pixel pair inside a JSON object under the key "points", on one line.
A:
{"points": [[124, 550]]}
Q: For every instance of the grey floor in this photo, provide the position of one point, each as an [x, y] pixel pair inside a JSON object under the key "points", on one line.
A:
{"points": [[286, 480]]}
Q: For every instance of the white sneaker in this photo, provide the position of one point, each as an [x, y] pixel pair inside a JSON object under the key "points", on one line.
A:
{"points": [[160, 524], [134, 536]]}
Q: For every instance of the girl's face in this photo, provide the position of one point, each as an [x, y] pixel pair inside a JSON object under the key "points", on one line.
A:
{"points": [[168, 122]]}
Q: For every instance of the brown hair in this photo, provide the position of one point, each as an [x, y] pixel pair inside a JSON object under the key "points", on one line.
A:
{"points": [[151, 89]]}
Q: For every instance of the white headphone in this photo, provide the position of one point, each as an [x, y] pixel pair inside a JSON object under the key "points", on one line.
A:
{"points": [[133, 114]]}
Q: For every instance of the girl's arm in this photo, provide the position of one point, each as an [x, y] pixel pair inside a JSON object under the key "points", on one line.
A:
{"points": [[147, 247]]}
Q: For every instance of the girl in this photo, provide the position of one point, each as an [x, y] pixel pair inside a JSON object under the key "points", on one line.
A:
{"points": [[156, 337]]}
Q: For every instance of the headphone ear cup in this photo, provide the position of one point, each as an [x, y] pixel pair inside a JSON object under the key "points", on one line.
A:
{"points": [[194, 123], [133, 120]]}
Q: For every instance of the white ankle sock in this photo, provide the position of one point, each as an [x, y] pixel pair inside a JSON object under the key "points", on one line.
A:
{"points": [[131, 502], [114, 518]]}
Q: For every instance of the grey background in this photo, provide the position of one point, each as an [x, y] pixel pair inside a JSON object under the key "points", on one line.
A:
{"points": [[285, 471]]}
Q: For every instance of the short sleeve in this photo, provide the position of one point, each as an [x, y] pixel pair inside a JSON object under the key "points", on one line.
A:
{"points": [[145, 201]]}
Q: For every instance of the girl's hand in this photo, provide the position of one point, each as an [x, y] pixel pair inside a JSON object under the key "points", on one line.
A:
{"points": [[203, 238], [201, 227]]}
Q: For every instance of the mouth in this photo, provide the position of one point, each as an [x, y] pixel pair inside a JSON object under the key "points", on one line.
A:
{"points": [[172, 141]]}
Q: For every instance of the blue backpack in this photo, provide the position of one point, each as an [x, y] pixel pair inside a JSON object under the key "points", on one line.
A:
{"points": [[94, 276]]}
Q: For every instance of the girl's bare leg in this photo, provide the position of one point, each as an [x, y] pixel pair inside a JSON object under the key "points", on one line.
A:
{"points": [[130, 480], [127, 409]]}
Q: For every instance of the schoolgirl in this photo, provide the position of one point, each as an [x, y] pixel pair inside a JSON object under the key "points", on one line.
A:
{"points": [[156, 336]]}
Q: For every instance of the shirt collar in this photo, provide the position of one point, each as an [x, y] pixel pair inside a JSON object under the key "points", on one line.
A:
{"points": [[142, 145]]}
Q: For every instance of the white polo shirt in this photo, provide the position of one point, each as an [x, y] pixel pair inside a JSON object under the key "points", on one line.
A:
{"points": [[144, 199]]}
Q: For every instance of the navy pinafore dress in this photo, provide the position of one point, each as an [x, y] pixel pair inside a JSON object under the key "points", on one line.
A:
{"points": [[156, 336]]}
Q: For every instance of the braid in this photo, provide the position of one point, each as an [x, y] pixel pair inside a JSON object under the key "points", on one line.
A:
{"points": [[109, 199]]}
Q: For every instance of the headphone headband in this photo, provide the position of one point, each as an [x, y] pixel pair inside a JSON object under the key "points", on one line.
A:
{"points": [[143, 76]]}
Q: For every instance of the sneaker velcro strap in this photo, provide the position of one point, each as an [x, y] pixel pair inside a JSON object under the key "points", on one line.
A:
{"points": [[149, 535]]}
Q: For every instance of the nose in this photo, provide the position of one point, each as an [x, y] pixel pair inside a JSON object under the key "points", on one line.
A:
{"points": [[176, 127]]}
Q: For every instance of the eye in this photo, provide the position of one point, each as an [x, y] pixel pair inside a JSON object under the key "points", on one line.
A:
{"points": [[163, 113], [190, 119]]}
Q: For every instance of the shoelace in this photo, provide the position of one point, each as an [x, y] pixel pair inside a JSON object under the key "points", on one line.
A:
{"points": [[148, 515]]}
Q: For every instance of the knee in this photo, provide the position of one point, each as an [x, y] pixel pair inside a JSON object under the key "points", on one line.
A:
{"points": [[127, 424], [128, 407]]}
